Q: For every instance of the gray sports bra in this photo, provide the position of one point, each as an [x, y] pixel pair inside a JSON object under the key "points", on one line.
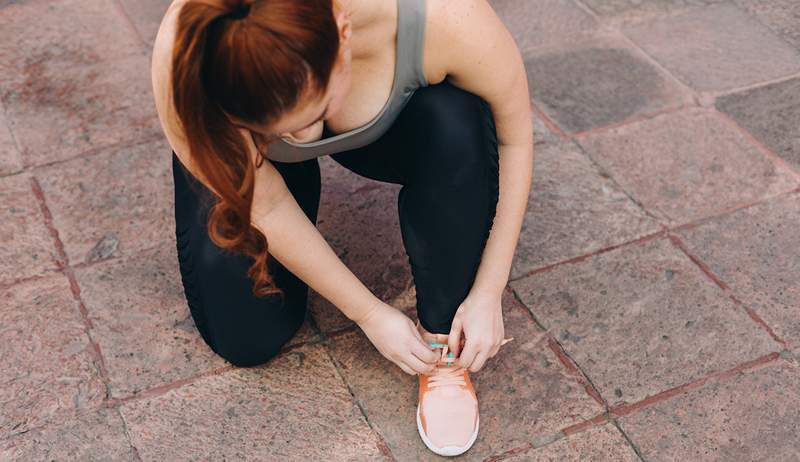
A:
{"points": [[408, 76]]}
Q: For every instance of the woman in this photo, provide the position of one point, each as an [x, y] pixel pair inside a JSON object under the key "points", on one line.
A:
{"points": [[428, 94]]}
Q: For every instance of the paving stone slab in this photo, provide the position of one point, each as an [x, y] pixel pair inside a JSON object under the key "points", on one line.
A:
{"points": [[756, 251], [642, 319], [772, 114], [544, 22], [73, 77], [101, 106], [141, 321], [117, 202], [573, 209], [523, 392], [598, 82], [753, 416], [97, 436], [686, 165], [782, 16], [716, 48], [10, 161], [92, 28], [603, 443], [26, 246], [293, 408], [48, 368], [358, 218]]}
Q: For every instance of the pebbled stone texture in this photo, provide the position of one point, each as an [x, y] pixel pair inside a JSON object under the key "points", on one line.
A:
{"points": [[715, 48], [573, 209], [782, 16], [516, 403], [596, 83], [97, 435], [10, 161], [686, 165], [772, 114], [677, 325], [26, 246], [294, 408], [48, 368], [141, 321], [603, 443], [114, 203], [544, 22], [754, 251], [73, 78], [753, 416]]}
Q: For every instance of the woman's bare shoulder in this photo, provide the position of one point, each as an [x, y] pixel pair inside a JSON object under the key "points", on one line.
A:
{"points": [[160, 66]]}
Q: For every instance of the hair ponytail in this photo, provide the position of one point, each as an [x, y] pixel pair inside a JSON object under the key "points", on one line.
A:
{"points": [[252, 59]]}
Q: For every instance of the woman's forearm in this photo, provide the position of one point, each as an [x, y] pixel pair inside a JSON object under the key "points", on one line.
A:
{"points": [[297, 244], [516, 173]]}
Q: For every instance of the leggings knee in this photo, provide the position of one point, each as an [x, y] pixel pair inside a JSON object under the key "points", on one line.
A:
{"points": [[244, 348], [458, 130], [247, 355]]}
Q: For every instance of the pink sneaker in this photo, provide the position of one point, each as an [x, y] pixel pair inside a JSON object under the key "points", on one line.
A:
{"points": [[447, 410]]}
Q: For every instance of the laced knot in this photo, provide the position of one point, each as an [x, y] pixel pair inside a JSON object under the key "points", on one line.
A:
{"points": [[445, 373]]}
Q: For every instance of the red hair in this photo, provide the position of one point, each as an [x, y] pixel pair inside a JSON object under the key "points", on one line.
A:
{"points": [[251, 59]]}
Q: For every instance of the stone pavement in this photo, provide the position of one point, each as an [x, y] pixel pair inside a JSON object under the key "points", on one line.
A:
{"points": [[660, 250]]}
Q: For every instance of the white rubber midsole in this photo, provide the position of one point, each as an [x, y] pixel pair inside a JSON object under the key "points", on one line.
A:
{"points": [[447, 450]]}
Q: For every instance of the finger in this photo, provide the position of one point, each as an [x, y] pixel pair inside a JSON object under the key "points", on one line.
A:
{"points": [[468, 353], [425, 353], [493, 352], [405, 368], [454, 337], [480, 360], [417, 365]]}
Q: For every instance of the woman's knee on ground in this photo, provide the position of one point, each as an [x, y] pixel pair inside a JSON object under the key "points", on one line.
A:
{"points": [[244, 329], [252, 334]]}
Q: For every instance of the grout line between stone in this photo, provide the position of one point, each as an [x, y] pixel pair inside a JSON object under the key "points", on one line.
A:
{"points": [[566, 360], [745, 88], [62, 262], [633, 445], [383, 446], [677, 242], [647, 237], [127, 432], [95, 151], [638, 118], [761, 147], [627, 409], [129, 21]]}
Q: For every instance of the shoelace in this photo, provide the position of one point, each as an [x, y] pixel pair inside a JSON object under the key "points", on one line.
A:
{"points": [[445, 373]]}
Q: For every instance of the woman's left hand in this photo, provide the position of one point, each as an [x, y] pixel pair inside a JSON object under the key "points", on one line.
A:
{"points": [[480, 319]]}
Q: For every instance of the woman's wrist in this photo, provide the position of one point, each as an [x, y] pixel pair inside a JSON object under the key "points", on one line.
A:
{"points": [[366, 313]]}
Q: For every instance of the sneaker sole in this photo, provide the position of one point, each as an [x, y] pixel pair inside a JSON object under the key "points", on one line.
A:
{"points": [[447, 450]]}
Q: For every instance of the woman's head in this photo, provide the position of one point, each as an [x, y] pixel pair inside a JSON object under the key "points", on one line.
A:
{"points": [[270, 66]]}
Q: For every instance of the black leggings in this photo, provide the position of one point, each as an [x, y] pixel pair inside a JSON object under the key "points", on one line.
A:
{"points": [[442, 148]]}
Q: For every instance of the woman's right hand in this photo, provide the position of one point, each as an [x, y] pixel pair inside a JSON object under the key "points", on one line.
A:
{"points": [[397, 339]]}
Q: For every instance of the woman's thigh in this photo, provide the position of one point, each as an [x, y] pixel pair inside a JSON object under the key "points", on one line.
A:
{"points": [[443, 149], [244, 329]]}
